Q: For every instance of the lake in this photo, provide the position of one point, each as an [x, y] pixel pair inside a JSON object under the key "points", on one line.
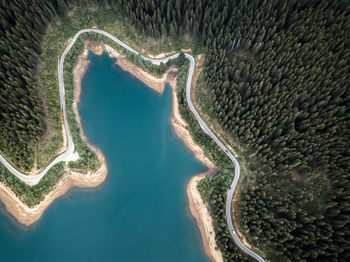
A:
{"points": [[141, 212]]}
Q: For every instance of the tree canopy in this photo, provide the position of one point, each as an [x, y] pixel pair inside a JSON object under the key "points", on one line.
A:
{"points": [[277, 78]]}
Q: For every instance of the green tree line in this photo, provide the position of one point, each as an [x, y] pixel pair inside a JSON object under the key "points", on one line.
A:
{"points": [[276, 75]]}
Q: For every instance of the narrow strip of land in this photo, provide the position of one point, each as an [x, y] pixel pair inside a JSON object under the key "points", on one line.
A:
{"points": [[67, 154]]}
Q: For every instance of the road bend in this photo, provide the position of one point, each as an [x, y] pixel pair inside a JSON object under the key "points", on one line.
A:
{"points": [[67, 154]]}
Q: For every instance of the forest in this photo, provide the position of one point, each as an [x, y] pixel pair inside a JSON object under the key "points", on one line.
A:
{"points": [[276, 79]]}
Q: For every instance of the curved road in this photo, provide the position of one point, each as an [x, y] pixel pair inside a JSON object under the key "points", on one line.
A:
{"points": [[66, 155]]}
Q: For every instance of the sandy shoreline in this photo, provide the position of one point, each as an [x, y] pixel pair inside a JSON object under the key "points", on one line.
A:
{"points": [[27, 216], [197, 207], [203, 218]]}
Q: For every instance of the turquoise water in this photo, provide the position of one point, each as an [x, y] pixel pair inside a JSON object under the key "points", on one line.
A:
{"points": [[140, 213]]}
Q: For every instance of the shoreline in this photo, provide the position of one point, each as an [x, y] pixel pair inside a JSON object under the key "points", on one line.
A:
{"points": [[197, 207], [202, 216], [29, 215]]}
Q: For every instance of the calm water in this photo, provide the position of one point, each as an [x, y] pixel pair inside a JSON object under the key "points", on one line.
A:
{"points": [[140, 213]]}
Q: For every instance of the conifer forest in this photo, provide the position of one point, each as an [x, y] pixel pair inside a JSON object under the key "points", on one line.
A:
{"points": [[276, 77]]}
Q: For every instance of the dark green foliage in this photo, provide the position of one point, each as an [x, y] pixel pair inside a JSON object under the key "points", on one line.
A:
{"points": [[87, 161], [179, 61], [146, 65], [277, 74], [283, 92], [212, 189], [22, 27], [276, 79], [35, 194]]}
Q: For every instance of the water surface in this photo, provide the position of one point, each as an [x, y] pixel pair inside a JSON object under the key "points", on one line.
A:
{"points": [[140, 213]]}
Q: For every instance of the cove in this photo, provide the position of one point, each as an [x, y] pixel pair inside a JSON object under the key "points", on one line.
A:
{"points": [[140, 213]]}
